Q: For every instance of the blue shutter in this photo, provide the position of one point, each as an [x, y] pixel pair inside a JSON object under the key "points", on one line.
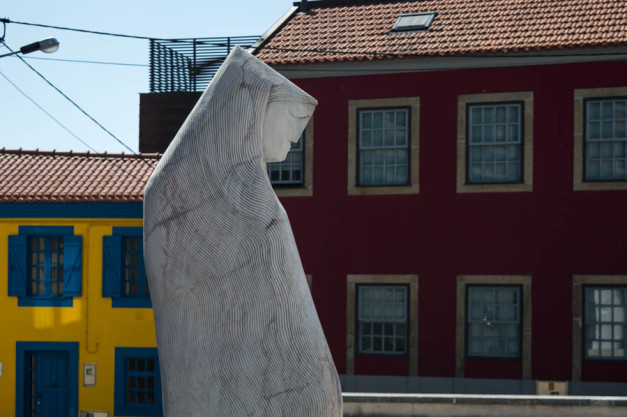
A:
{"points": [[72, 265], [112, 266], [17, 266]]}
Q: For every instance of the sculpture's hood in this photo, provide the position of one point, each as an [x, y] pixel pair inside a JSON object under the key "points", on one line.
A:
{"points": [[216, 157], [229, 114]]}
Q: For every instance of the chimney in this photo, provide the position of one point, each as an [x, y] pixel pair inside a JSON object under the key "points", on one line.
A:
{"points": [[303, 6]]}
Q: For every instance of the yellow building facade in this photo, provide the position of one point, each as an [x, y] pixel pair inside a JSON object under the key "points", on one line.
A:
{"points": [[71, 343]]}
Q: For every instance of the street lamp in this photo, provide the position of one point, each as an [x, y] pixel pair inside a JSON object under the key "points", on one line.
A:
{"points": [[48, 45]]}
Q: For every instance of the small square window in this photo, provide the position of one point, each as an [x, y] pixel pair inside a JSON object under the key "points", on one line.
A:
{"points": [[494, 141], [290, 172], [605, 335], [383, 147], [137, 382], [605, 139], [382, 325], [493, 321]]}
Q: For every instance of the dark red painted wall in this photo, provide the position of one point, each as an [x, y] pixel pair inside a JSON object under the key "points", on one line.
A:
{"points": [[551, 233]]}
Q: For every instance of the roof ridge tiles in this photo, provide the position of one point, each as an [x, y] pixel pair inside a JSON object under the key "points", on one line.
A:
{"points": [[88, 154]]}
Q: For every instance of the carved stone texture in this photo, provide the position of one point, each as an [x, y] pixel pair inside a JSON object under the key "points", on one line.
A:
{"points": [[237, 330]]}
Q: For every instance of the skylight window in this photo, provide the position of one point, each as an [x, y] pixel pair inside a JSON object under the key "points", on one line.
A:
{"points": [[414, 21]]}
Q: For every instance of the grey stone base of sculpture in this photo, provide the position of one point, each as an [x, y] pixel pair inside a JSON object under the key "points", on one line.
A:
{"points": [[237, 330]]}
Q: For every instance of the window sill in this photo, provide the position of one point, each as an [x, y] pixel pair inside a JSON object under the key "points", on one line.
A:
{"points": [[131, 302], [382, 190], [599, 185], [44, 302], [494, 188], [293, 191]]}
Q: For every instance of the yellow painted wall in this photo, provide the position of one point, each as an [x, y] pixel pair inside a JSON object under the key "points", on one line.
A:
{"points": [[92, 322]]}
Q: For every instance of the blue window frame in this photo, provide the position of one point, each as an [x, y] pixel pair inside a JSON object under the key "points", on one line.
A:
{"points": [[137, 382], [45, 266], [123, 270]]}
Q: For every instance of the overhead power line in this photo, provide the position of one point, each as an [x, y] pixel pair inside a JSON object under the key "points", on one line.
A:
{"points": [[97, 32], [119, 168], [318, 50], [79, 61], [94, 32], [71, 101], [48, 114]]}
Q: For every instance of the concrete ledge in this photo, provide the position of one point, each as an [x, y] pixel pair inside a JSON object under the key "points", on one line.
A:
{"points": [[459, 405]]}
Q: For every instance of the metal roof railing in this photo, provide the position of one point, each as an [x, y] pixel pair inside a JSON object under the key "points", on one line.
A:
{"points": [[189, 64]]}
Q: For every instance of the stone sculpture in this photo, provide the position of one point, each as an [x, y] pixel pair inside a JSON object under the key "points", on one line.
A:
{"points": [[237, 330]]}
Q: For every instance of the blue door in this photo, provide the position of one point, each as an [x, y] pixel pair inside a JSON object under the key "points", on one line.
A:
{"points": [[46, 391]]}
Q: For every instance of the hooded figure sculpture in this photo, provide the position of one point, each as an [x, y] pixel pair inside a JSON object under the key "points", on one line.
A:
{"points": [[237, 329]]}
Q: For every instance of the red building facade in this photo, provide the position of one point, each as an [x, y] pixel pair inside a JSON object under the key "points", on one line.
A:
{"points": [[491, 243]]}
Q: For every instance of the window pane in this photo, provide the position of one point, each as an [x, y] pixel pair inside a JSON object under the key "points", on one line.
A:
{"points": [[493, 321], [499, 124], [289, 171], [382, 318], [606, 139], [387, 138], [605, 322]]}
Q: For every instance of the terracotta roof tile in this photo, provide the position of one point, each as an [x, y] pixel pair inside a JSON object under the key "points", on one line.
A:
{"points": [[360, 30], [38, 176]]}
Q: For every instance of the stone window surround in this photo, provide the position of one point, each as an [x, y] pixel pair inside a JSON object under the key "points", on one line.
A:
{"points": [[580, 96], [527, 152], [306, 190], [579, 281], [491, 280], [351, 282], [414, 145]]}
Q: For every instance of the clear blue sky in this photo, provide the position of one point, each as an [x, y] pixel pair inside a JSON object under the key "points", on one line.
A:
{"points": [[109, 93]]}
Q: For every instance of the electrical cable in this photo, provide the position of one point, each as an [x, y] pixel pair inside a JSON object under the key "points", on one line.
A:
{"points": [[72, 101], [315, 50], [48, 114], [94, 32], [66, 128], [127, 64]]}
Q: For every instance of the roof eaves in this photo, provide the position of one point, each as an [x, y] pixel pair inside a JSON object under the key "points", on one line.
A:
{"points": [[275, 28]]}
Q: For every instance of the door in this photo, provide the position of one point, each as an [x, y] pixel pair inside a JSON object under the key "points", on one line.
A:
{"points": [[46, 379]]}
